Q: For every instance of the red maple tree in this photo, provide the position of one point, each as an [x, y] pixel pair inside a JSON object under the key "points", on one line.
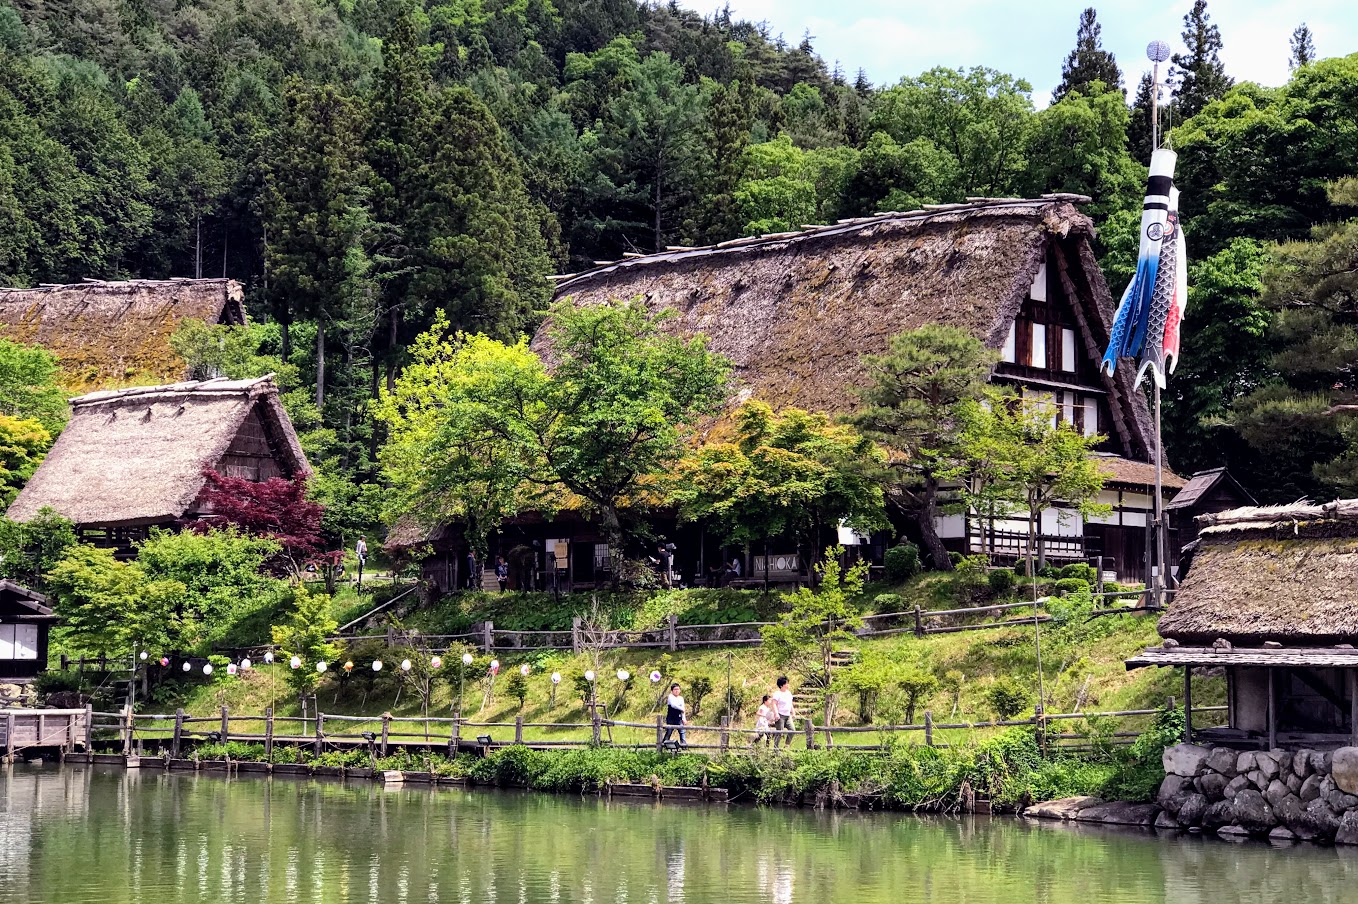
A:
{"points": [[277, 508]]}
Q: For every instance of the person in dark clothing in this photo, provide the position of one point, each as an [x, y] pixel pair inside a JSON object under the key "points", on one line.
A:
{"points": [[471, 570], [502, 573], [666, 566]]}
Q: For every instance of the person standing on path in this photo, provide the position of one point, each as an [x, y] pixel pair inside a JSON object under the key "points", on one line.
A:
{"points": [[782, 704], [763, 721], [502, 573], [676, 715]]}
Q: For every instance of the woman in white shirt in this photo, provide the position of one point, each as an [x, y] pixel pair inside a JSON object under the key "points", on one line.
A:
{"points": [[763, 719], [676, 715], [782, 702]]}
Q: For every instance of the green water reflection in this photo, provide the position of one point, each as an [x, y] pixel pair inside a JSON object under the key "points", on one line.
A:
{"points": [[88, 835]]}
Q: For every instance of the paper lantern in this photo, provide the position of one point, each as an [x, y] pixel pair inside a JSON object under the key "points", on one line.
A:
{"points": [[556, 677], [143, 655], [246, 663], [164, 661], [268, 657], [231, 668], [589, 676], [349, 665], [623, 674], [295, 662], [320, 666], [188, 666], [524, 670], [405, 665], [655, 677], [377, 665], [436, 663], [466, 659], [207, 668]]}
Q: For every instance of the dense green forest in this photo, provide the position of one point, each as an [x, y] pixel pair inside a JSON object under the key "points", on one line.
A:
{"points": [[368, 166]]}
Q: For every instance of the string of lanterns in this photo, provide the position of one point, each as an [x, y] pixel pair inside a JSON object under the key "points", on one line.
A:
{"points": [[435, 662]]}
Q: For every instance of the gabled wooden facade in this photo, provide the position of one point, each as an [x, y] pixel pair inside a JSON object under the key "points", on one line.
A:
{"points": [[25, 619]]}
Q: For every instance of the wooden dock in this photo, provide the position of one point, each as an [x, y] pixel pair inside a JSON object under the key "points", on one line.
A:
{"points": [[62, 729]]}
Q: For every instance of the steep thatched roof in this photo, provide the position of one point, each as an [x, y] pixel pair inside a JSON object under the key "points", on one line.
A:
{"points": [[1283, 573], [796, 311], [1122, 471], [113, 333], [137, 456]]}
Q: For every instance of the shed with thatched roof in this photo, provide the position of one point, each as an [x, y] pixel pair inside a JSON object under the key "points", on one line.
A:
{"points": [[1271, 596], [135, 458], [795, 313], [115, 333]]}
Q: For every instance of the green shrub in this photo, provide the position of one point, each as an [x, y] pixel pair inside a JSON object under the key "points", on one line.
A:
{"points": [[1001, 581], [1066, 586], [902, 562], [1081, 570], [1006, 697], [1049, 572]]}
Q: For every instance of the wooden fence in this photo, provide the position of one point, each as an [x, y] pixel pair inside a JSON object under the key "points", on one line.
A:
{"points": [[174, 732]]}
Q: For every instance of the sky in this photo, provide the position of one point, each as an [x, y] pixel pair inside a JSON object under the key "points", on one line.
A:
{"points": [[895, 38]]}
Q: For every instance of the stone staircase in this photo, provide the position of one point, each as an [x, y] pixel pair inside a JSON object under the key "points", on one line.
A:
{"points": [[809, 699]]}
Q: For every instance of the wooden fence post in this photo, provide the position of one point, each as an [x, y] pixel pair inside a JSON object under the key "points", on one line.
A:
{"points": [[386, 724], [595, 724], [89, 728], [518, 729], [9, 737], [320, 732], [178, 736], [65, 662], [1040, 722], [928, 728], [226, 725], [919, 622], [725, 741], [575, 635], [268, 733], [1098, 574], [672, 623], [128, 730], [457, 730], [810, 736], [489, 628], [659, 733]]}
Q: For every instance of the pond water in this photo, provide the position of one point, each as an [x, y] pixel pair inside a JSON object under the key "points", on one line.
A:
{"points": [[71, 835]]}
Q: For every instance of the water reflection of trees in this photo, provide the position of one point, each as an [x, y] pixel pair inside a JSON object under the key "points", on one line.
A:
{"points": [[71, 835]]}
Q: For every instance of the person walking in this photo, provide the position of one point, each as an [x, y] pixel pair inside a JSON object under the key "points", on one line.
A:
{"points": [[502, 573], [782, 703], [666, 559], [676, 716], [763, 721], [361, 553]]}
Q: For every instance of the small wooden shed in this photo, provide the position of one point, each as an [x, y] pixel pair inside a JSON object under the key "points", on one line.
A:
{"points": [[1270, 597], [25, 619]]}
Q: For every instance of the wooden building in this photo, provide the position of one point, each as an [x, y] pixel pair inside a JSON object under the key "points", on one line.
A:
{"points": [[133, 459], [25, 619], [108, 334], [1205, 493], [1270, 597]]}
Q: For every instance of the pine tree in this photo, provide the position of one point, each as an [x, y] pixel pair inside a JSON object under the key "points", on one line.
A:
{"points": [[1139, 127], [1202, 75], [1088, 62], [1303, 47]]}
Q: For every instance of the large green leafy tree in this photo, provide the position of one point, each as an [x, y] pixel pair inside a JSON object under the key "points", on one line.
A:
{"points": [[28, 385], [790, 474], [913, 406], [1079, 144], [1088, 62]]}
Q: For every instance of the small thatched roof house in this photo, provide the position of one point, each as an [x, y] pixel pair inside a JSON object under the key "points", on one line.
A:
{"points": [[112, 333], [134, 458], [1271, 596]]}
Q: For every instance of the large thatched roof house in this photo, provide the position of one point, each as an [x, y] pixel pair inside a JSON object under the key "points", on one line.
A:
{"points": [[1271, 596], [113, 333], [134, 458], [796, 312]]}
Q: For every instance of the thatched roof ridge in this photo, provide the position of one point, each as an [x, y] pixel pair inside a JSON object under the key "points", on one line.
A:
{"points": [[1118, 470], [110, 333], [137, 456], [796, 311], [1283, 573]]}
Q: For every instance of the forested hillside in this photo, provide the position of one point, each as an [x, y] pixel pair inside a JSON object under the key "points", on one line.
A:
{"points": [[369, 165]]}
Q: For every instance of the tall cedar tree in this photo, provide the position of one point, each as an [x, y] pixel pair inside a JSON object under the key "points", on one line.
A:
{"points": [[1202, 75], [315, 210], [1088, 62], [1303, 47], [913, 406], [1139, 126]]}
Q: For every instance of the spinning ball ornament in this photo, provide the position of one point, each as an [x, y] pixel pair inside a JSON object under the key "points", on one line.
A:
{"points": [[556, 677], [655, 677], [207, 668], [466, 659], [295, 662], [524, 670], [1157, 51], [246, 663], [405, 665], [320, 666], [377, 665], [436, 663]]}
